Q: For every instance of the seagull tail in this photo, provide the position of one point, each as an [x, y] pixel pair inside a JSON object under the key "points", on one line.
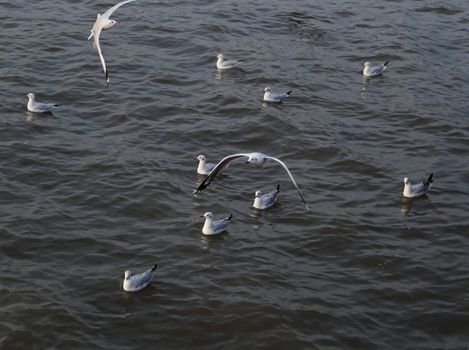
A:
{"points": [[230, 217], [385, 63], [154, 267], [57, 105], [278, 188], [288, 93], [429, 180]]}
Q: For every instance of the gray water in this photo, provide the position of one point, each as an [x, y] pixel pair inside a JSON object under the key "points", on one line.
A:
{"points": [[104, 184]]}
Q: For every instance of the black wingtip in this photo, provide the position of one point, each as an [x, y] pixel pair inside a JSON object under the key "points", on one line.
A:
{"points": [[289, 92], [57, 105], [278, 188], [429, 179], [385, 63], [154, 267], [230, 217]]}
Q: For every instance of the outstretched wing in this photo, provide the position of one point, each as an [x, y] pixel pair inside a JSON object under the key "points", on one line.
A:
{"points": [[98, 48], [291, 177], [109, 12], [218, 168]]}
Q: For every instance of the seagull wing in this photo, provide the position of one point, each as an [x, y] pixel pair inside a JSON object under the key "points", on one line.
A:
{"points": [[98, 48], [218, 168], [142, 279], [291, 177], [109, 12]]}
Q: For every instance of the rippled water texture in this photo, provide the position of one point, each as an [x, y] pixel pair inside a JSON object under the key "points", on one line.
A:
{"points": [[104, 184]]}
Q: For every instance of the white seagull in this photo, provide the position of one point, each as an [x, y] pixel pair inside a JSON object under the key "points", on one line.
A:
{"points": [[270, 96], [203, 168], [416, 190], [373, 71], [266, 200], [212, 227], [222, 64], [134, 283], [254, 158], [38, 107], [103, 22]]}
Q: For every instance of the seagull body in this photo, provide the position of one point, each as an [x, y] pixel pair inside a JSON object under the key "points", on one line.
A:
{"points": [[214, 227], [103, 22], [38, 107], [254, 158], [270, 96], [411, 191], [373, 71], [134, 283], [222, 64], [204, 168], [266, 200]]}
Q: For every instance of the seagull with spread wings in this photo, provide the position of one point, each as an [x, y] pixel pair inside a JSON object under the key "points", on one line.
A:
{"points": [[103, 22], [254, 158]]}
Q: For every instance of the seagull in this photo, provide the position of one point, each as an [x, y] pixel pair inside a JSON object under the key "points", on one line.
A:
{"points": [[214, 227], [134, 283], [222, 64], [274, 97], [254, 158], [417, 190], [103, 22], [373, 71], [39, 107], [204, 168], [266, 200]]}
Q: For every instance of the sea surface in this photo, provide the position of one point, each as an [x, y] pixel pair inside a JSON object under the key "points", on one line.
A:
{"points": [[104, 184]]}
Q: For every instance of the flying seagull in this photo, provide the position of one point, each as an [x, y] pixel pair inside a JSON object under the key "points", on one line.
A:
{"points": [[38, 107], [103, 22], [214, 227], [417, 190], [266, 200], [134, 283], [254, 158], [372, 71], [270, 96], [222, 64]]}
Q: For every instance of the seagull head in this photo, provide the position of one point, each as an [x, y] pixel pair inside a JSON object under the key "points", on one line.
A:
{"points": [[200, 157], [127, 275], [258, 194], [110, 23], [267, 89], [207, 215], [255, 159], [406, 181], [30, 96], [366, 64], [220, 56]]}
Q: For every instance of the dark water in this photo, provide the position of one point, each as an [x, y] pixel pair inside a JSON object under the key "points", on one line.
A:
{"points": [[105, 184]]}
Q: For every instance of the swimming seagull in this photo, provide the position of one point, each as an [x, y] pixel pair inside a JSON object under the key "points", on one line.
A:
{"points": [[212, 227], [38, 107], [203, 167], [372, 71], [222, 64], [103, 22], [254, 158], [270, 96], [417, 190], [134, 283], [266, 200]]}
